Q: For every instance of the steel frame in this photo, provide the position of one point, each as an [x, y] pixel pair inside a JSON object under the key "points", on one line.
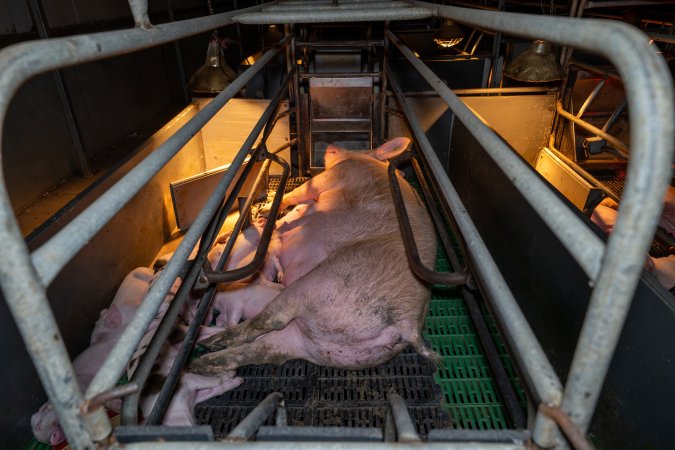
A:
{"points": [[613, 269]]}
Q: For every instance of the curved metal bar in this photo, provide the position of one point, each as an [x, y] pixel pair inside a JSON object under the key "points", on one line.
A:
{"points": [[167, 323], [416, 264], [259, 258], [247, 427], [528, 353], [584, 245], [114, 365], [23, 287], [649, 90], [165, 395], [571, 431], [614, 142]]}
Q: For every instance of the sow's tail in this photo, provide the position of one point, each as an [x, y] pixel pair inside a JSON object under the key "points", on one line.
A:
{"points": [[421, 347]]}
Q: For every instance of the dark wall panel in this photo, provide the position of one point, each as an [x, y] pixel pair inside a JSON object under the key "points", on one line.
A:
{"points": [[635, 410], [36, 145], [88, 283], [114, 97]]}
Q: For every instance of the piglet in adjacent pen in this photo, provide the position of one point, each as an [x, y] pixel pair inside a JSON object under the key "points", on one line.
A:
{"points": [[351, 299], [108, 329]]}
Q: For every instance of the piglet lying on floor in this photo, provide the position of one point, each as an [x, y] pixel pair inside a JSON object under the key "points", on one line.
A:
{"points": [[191, 389], [107, 331], [351, 299]]}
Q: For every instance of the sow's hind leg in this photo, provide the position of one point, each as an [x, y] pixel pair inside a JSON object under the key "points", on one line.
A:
{"points": [[274, 347]]}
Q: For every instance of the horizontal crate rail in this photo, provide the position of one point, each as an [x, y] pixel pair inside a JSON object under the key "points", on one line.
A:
{"points": [[305, 445], [538, 373]]}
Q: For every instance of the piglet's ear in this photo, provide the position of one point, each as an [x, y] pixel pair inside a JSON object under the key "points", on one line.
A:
{"points": [[391, 149], [113, 317]]}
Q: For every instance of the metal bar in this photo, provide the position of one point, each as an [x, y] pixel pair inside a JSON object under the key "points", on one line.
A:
{"points": [[114, 365], [614, 142], [649, 90], [50, 258], [179, 56], [615, 115], [247, 427], [323, 16], [528, 353], [332, 44], [78, 148], [417, 266], [214, 276], [405, 429], [614, 3], [311, 6], [658, 37], [284, 146], [117, 392], [488, 91], [591, 97], [304, 445], [383, 87], [165, 395], [501, 378], [458, 435], [594, 69], [167, 323], [583, 244], [572, 432], [305, 75]]}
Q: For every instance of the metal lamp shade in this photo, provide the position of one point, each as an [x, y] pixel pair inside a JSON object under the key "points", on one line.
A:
{"points": [[536, 64]]}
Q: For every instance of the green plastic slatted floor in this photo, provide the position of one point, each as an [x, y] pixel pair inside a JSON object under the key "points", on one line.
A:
{"points": [[470, 395]]}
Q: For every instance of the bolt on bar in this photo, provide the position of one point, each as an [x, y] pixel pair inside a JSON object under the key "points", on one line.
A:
{"points": [[114, 365], [527, 351], [584, 245], [649, 91]]}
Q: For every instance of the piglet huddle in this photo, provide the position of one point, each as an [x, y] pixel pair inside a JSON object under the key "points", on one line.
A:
{"points": [[336, 289]]}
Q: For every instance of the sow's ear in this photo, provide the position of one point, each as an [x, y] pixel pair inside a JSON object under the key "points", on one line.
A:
{"points": [[391, 149]]}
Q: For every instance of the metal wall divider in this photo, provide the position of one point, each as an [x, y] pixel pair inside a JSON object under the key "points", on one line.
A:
{"points": [[613, 269]]}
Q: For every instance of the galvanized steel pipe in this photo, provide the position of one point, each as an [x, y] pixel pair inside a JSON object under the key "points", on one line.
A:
{"points": [[329, 16], [584, 245], [114, 365], [290, 445], [649, 90], [527, 350]]}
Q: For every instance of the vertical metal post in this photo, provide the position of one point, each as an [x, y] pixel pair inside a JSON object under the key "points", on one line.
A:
{"points": [[496, 45], [179, 56], [78, 153], [383, 89]]}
